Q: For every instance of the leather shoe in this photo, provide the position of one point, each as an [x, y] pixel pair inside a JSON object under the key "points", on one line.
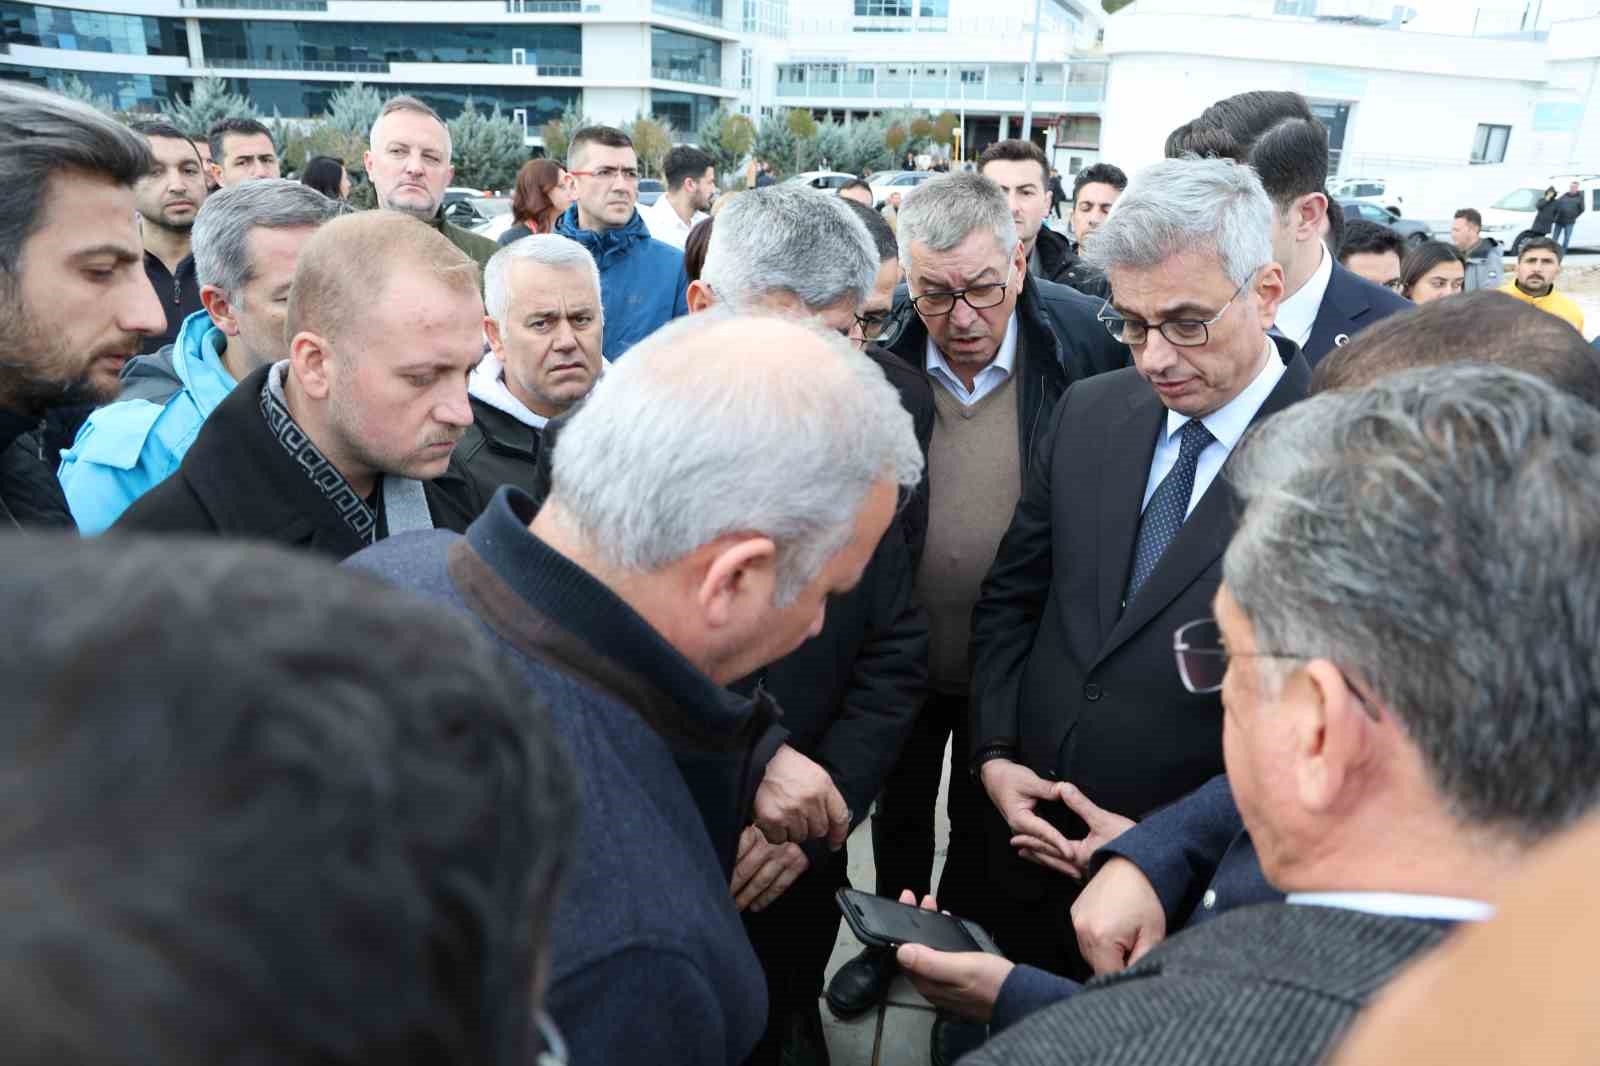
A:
{"points": [[953, 1037], [862, 983]]}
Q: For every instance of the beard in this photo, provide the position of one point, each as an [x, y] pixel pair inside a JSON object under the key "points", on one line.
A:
{"points": [[36, 372], [161, 221]]}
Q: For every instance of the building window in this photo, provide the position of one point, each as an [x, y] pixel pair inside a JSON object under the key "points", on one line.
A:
{"points": [[683, 57], [1079, 131], [684, 112], [273, 45], [294, 98], [1489, 145], [883, 8], [91, 31], [746, 67], [149, 94], [934, 9], [972, 77]]}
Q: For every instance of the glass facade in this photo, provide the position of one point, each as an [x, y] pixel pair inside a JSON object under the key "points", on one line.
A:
{"points": [[91, 31], [683, 57], [299, 99], [704, 10], [292, 45], [146, 93], [685, 111]]}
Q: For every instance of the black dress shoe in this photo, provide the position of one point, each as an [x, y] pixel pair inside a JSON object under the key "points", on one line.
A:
{"points": [[804, 1042], [862, 983], [953, 1037]]}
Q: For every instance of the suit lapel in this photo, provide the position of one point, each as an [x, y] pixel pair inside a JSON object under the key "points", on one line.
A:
{"points": [[1130, 444], [1206, 532], [1343, 307]]}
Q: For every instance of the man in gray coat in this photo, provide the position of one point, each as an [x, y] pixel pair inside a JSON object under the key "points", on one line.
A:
{"points": [[1390, 767]]}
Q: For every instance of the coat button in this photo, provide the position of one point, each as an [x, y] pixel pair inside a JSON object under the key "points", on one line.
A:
{"points": [[1209, 900], [1091, 692]]}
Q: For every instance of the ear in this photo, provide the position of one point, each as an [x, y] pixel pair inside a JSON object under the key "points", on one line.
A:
{"points": [[1333, 735], [1019, 260], [1269, 294], [311, 358], [366, 163], [738, 574], [222, 313], [1309, 211], [700, 296], [491, 330], [216, 172]]}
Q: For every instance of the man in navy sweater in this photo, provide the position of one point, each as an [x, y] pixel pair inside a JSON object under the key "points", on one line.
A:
{"points": [[664, 564]]}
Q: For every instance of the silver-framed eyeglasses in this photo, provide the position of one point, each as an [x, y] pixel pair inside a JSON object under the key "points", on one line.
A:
{"points": [[1203, 660], [978, 297], [1181, 332]]}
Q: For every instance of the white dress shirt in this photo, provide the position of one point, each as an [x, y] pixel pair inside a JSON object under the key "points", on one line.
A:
{"points": [[662, 220], [1399, 905], [1227, 424], [987, 380], [1297, 314]]}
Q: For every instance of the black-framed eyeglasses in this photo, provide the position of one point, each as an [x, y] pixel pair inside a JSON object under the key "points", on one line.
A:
{"points": [[1181, 332], [977, 297], [873, 325], [1203, 660]]}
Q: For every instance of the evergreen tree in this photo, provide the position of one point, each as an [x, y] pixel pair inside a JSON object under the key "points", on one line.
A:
{"points": [[558, 133], [209, 103], [353, 109], [652, 140], [73, 88], [487, 149], [727, 138], [776, 143]]}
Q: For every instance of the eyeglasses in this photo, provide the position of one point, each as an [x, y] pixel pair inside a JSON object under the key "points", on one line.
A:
{"points": [[1182, 332], [1203, 660], [977, 297], [873, 326], [608, 173]]}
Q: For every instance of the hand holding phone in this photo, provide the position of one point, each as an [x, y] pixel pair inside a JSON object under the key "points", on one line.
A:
{"points": [[879, 922]]}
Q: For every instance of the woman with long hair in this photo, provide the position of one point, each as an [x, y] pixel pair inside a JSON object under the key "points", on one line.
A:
{"points": [[1432, 271], [543, 192], [328, 176]]}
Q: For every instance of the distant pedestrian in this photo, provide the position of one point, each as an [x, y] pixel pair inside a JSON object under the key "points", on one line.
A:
{"points": [[1568, 208], [544, 191], [1058, 195], [1546, 213], [1484, 257], [328, 176]]}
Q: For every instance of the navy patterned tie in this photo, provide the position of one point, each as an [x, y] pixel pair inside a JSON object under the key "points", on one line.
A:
{"points": [[1164, 514]]}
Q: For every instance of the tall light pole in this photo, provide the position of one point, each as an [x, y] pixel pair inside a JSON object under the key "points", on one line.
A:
{"points": [[1027, 88]]}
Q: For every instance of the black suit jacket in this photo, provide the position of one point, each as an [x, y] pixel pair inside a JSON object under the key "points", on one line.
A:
{"points": [[1351, 304], [1065, 680]]}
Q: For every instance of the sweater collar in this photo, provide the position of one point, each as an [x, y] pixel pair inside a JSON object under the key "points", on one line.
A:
{"points": [[616, 643]]}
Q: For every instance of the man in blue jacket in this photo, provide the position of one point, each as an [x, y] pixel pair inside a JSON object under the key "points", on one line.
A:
{"points": [[246, 238], [642, 283]]}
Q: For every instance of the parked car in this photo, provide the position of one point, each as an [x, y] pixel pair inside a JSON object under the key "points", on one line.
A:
{"points": [[900, 181], [827, 180], [462, 192], [1412, 231], [475, 212], [651, 190], [1509, 219], [1378, 191]]}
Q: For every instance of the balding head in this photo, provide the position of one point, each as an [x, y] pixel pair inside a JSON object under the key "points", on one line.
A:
{"points": [[760, 437], [1480, 327], [385, 323]]}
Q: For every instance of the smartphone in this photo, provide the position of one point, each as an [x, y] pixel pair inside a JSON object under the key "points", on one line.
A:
{"points": [[886, 923]]}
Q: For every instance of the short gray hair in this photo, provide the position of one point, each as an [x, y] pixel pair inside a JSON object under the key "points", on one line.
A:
{"points": [[45, 133], [1437, 536], [789, 239], [693, 436], [1211, 206], [416, 107], [545, 249], [221, 235], [942, 212]]}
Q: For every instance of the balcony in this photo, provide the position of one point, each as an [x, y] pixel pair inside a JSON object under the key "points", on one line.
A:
{"points": [[693, 12], [544, 7], [260, 5], [941, 89], [308, 66]]}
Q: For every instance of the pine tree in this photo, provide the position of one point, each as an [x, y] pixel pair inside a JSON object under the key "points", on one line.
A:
{"points": [[209, 103], [727, 138], [73, 88], [354, 108], [487, 150], [776, 143]]}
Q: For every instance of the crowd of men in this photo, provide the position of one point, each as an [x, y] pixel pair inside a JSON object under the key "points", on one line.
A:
{"points": [[425, 650]]}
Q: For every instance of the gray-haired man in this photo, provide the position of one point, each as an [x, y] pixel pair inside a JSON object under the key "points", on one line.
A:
{"points": [[544, 321], [1391, 771], [246, 241]]}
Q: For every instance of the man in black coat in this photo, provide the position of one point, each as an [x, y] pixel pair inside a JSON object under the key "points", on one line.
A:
{"points": [[1020, 169], [544, 322], [1569, 205], [346, 441], [1117, 541], [1324, 304], [75, 304]]}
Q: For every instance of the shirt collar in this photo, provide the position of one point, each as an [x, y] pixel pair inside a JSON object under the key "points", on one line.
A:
{"points": [[1399, 905], [1228, 422], [1005, 360], [1297, 314], [662, 209], [487, 383]]}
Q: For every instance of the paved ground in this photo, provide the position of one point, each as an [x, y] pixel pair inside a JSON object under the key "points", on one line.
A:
{"points": [[897, 1033]]}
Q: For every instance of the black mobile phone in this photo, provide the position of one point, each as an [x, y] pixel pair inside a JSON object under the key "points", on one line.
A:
{"points": [[887, 923]]}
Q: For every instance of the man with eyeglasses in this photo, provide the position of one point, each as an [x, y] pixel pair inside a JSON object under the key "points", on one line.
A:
{"points": [[999, 347], [408, 161], [642, 282], [1116, 542]]}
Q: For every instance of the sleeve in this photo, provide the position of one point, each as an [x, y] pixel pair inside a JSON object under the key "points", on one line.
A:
{"points": [[680, 297], [1011, 602], [888, 681], [643, 1005], [1025, 991], [1179, 847]]}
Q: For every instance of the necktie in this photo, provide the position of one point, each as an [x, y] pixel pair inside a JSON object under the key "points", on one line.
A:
{"points": [[1164, 514]]}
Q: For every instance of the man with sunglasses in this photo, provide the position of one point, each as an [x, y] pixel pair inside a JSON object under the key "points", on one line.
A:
{"points": [[999, 347], [1117, 540], [642, 282]]}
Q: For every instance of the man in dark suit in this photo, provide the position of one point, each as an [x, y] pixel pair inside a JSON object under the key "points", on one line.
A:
{"points": [[1324, 304], [1391, 769], [1118, 539]]}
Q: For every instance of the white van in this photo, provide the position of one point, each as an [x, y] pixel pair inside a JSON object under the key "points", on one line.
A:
{"points": [[1509, 219]]}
